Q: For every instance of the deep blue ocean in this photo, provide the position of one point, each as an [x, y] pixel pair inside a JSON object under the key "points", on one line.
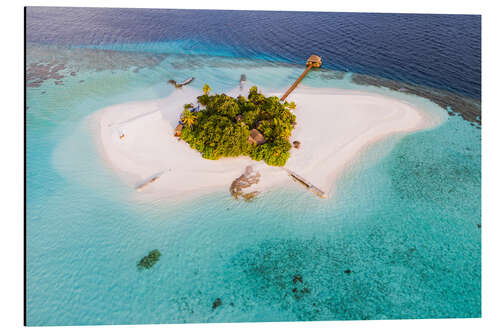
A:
{"points": [[440, 51], [400, 239]]}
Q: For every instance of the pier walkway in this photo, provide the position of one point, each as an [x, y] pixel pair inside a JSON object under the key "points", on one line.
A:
{"points": [[296, 177], [313, 61]]}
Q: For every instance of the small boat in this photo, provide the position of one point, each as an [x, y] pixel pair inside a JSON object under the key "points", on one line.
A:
{"points": [[143, 185], [187, 81], [183, 83]]}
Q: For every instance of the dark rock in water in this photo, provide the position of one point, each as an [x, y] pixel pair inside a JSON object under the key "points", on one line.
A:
{"points": [[294, 290], [347, 271], [413, 249], [479, 226], [150, 260], [216, 303], [297, 278]]}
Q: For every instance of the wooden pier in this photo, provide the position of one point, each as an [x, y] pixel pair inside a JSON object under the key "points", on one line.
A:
{"points": [[307, 184], [313, 61], [147, 182]]}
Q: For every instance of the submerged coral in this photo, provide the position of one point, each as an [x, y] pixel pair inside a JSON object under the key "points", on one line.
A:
{"points": [[468, 108], [150, 260]]}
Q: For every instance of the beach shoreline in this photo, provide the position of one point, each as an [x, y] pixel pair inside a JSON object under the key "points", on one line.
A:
{"points": [[334, 126]]}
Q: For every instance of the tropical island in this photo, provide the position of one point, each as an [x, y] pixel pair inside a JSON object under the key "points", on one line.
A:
{"points": [[258, 126], [239, 143]]}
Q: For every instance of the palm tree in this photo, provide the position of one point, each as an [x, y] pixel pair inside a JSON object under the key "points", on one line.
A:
{"points": [[206, 89], [188, 118]]}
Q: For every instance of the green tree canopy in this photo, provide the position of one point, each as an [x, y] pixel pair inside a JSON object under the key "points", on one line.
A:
{"points": [[222, 128], [188, 118], [206, 89]]}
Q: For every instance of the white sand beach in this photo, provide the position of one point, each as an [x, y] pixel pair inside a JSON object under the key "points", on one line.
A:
{"points": [[333, 126]]}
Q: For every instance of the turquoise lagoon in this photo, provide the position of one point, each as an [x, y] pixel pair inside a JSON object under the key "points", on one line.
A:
{"points": [[401, 238]]}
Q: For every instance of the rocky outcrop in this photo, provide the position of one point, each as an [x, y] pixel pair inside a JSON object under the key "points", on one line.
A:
{"points": [[216, 303], [240, 186]]}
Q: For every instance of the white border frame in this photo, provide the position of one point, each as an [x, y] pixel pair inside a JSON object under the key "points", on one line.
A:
{"points": [[11, 137]]}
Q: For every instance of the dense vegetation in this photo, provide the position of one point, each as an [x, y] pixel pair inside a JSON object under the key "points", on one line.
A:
{"points": [[222, 128], [148, 261]]}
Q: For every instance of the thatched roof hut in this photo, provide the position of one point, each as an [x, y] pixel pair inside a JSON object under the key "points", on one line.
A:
{"points": [[314, 60], [256, 137], [178, 130]]}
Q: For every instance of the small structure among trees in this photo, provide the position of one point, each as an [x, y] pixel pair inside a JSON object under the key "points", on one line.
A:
{"points": [[178, 130], [256, 137]]}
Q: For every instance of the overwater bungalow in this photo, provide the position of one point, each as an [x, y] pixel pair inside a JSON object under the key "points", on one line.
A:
{"points": [[314, 61]]}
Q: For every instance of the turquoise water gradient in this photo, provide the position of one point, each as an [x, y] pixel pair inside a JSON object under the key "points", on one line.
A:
{"points": [[400, 239]]}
